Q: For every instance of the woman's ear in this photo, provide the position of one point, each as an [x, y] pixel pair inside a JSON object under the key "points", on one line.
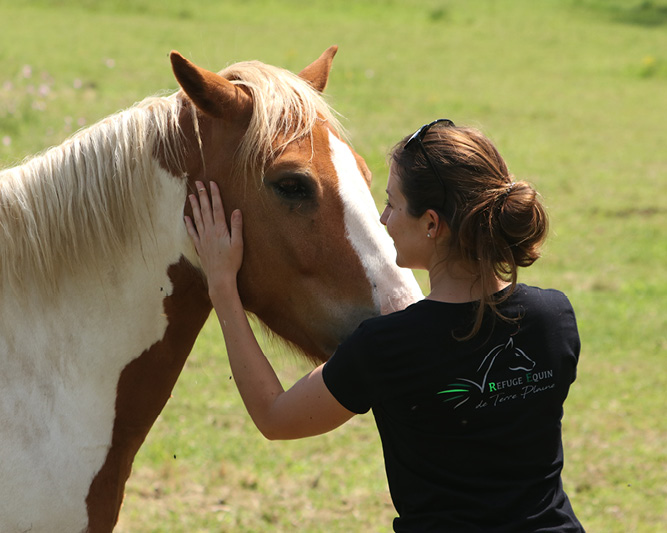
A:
{"points": [[434, 225]]}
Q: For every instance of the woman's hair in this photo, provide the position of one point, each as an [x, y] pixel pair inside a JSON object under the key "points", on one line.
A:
{"points": [[497, 224]]}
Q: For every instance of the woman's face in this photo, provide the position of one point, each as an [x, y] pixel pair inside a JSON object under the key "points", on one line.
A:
{"points": [[408, 233]]}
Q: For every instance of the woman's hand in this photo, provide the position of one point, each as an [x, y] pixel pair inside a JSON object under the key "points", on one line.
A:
{"points": [[220, 248]]}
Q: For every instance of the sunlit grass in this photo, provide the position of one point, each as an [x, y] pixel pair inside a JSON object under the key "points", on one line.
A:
{"points": [[573, 93]]}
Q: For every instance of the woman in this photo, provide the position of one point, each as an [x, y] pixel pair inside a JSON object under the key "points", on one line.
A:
{"points": [[467, 385]]}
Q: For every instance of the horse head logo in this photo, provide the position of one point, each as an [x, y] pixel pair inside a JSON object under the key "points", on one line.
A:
{"points": [[500, 359]]}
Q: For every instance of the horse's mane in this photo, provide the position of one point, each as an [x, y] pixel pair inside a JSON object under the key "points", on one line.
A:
{"points": [[78, 204]]}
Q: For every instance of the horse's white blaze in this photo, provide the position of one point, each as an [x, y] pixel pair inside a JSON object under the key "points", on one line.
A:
{"points": [[60, 363], [394, 288]]}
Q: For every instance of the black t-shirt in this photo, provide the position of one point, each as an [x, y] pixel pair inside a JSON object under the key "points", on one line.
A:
{"points": [[471, 430]]}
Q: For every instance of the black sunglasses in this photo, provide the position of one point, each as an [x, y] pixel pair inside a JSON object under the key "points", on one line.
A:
{"points": [[417, 138]]}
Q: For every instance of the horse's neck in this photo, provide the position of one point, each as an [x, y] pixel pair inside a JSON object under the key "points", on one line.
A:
{"points": [[144, 387], [87, 368], [489, 362], [91, 368], [105, 193], [93, 288]]}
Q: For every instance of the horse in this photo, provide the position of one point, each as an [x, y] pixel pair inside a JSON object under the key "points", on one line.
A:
{"points": [[101, 291]]}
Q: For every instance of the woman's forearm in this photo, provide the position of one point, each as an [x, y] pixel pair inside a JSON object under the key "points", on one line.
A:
{"points": [[306, 409], [255, 378]]}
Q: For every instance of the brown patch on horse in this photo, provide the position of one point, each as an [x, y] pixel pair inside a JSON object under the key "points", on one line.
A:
{"points": [[144, 387]]}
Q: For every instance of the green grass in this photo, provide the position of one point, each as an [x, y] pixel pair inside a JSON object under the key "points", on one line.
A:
{"points": [[573, 93]]}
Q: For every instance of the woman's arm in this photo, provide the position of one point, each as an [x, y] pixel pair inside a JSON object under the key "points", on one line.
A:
{"points": [[308, 408]]}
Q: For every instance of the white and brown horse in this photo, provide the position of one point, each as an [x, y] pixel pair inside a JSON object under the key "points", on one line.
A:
{"points": [[101, 299]]}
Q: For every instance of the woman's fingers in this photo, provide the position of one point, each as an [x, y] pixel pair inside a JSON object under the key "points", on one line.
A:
{"points": [[216, 203], [196, 214], [237, 229], [204, 204], [192, 231], [208, 213], [220, 247]]}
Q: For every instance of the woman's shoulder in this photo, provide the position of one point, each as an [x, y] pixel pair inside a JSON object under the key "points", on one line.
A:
{"points": [[539, 295], [548, 306]]}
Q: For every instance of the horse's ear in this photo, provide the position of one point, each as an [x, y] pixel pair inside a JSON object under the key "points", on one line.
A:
{"points": [[317, 73], [210, 92]]}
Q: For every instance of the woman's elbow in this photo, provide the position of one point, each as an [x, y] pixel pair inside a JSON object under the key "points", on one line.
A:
{"points": [[271, 431], [270, 434]]}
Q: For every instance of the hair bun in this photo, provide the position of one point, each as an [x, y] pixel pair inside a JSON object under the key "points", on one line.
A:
{"points": [[508, 190], [523, 222]]}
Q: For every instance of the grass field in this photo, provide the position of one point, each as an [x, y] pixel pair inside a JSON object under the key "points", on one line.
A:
{"points": [[574, 92]]}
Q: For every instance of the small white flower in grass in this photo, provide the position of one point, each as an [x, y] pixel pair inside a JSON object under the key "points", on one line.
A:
{"points": [[77, 84], [110, 63], [26, 71], [6, 140]]}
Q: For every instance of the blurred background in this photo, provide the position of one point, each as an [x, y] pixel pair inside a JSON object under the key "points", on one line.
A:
{"points": [[574, 94]]}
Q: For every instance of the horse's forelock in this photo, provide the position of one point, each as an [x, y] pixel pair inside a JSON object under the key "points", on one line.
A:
{"points": [[285, 108]]}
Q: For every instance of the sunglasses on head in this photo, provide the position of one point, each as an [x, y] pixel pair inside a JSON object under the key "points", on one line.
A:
{"points": [[417, 138]]}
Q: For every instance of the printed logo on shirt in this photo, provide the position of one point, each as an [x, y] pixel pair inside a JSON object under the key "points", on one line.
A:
{"points": [[505, 374]]}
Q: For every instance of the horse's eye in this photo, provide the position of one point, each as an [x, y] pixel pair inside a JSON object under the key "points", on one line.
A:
{"points": [[293, 188]]}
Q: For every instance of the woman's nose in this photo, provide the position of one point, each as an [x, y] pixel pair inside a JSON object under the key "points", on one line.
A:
{"points": [[384, 216]]}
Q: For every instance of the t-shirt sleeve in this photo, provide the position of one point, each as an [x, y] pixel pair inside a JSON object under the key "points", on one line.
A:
{"points": [[346, 374], [572, 334], [564, 326]]}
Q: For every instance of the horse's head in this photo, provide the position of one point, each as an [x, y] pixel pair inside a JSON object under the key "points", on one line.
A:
{"points": [[515, 359], [317, 262]]}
